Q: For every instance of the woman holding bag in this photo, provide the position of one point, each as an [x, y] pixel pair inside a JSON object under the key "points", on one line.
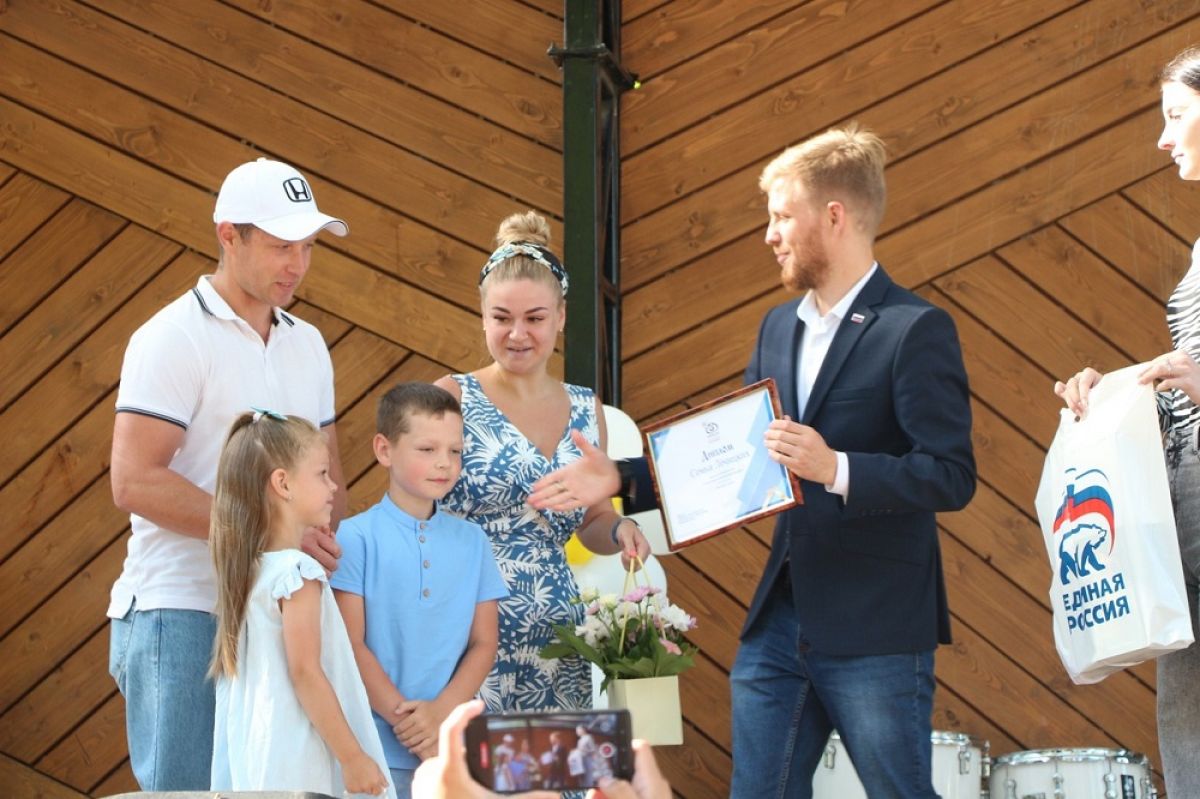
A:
{"points": [[1176, 376]]}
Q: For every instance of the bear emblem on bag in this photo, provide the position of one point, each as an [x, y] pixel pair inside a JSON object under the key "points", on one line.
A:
{"points": [[1085, 522]]}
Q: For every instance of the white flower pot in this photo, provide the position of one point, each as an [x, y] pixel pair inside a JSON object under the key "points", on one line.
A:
{"points": [[653, 702]]}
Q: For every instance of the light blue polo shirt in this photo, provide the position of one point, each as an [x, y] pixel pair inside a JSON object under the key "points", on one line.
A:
{"points": [[420, 581]]}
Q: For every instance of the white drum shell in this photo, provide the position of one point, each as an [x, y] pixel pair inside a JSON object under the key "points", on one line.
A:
{"points": [[959, 768], [1072, 774]]}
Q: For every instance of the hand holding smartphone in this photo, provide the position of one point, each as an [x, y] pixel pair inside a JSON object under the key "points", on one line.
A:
{"points": [[558, 750]]}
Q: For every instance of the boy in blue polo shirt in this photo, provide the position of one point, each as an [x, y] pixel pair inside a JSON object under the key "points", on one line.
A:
{"points": [[417, 587]]}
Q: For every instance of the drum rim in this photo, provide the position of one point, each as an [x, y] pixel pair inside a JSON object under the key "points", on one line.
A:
{"points": [[1081, 755], [944, 737], [956, 738]]}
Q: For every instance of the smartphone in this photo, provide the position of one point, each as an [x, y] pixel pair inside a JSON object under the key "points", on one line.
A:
{"points": [[552, 751]]}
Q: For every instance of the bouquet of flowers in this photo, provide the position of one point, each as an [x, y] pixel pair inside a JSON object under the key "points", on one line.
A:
{"points": [[628, 637]]}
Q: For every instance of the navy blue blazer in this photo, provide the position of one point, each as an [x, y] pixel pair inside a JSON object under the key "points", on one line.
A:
{"points": [[892, 394]]}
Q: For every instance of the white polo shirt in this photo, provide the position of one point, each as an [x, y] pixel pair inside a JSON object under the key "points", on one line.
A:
{"points": [[198, 365]]}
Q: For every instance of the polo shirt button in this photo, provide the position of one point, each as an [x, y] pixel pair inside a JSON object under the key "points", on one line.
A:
{"points": [[425, 564], [425, 593], [421, 539], [423, 525]]}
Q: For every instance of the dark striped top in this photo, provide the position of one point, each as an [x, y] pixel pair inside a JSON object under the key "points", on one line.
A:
{"points": [[1176, 413]]}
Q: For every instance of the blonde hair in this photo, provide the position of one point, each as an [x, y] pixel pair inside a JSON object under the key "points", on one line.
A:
{"points": [[843, 164], [530, 227], [239, 528]]}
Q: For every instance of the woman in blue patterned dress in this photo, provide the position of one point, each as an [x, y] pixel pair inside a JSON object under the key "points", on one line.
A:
{"points": [[518, 420]]}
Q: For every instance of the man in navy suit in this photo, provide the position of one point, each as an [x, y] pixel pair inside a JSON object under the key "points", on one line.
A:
{"points": [[852, 604]]}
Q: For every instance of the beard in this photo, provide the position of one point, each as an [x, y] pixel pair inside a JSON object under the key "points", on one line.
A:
{"points": [[809, 267]]}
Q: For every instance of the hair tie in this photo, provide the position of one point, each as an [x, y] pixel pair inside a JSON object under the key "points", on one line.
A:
{"points": [[537, 252], [261, 412]]}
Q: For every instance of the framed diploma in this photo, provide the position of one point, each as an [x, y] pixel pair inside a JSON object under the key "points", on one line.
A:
{"points": [[711, 469]]}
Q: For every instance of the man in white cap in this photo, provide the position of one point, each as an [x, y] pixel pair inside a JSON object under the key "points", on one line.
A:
{"points": [[223, 347]]}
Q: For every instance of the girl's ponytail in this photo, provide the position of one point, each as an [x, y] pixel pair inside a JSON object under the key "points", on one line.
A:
{"points": [[240, 525]]}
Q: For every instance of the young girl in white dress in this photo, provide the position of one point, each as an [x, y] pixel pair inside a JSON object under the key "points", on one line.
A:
{"points": [[292, 713]]}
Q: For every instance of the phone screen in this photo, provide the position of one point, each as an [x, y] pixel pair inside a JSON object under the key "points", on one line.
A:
{"points": [[551, 751]]}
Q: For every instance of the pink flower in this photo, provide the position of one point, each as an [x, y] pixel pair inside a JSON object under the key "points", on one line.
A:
{"points": [[670, 646], [638, 594]]}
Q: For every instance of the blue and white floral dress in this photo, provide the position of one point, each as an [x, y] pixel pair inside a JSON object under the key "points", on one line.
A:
{"points": [[499, 466]]}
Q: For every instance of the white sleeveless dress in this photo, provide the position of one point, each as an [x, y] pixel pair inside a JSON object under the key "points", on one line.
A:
{"points": [[262, 738]]}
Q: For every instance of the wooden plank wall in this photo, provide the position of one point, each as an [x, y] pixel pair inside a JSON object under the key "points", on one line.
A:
{"points": [[1026, 197], [421, 125], [1023, 170]]}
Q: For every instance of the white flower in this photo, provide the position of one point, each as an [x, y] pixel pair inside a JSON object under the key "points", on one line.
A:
{"points": [[627, 610], [608, 601], [674, 616], [592, 631], [589, 594]]}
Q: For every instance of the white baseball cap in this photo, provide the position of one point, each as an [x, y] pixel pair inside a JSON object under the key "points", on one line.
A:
{"points": [[273, 197]]}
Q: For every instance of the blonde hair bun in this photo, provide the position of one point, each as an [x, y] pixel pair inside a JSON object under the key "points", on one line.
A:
{"points": [[528, 226]]}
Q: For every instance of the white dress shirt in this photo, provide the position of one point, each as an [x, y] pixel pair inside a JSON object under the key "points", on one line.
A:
{"points": [[814, 346]]}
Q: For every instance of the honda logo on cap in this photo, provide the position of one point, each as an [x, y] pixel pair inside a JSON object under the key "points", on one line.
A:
{"points": [[297, 190]]}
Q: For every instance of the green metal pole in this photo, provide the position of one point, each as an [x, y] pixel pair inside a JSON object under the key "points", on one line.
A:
{"points": [[581, 174]]}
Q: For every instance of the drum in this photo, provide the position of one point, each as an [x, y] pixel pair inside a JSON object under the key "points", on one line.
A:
{"points": [[960, 769], [1072, 774]]}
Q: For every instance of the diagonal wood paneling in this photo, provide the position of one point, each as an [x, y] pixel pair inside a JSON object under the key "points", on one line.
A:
{"points": [[1023, 172], [119, 120], [1023, 166]]}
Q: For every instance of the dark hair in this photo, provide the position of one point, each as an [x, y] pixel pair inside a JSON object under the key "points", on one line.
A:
{"points": [[244, 230], [1183, 68], [404, 399]]}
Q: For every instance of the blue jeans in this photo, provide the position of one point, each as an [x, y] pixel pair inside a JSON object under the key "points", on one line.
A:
{"points": [[159, 659], [787, 699], [402, 778]]}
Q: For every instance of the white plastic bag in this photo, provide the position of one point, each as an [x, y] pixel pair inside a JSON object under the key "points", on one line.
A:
{"points": [[1105, 509]]}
